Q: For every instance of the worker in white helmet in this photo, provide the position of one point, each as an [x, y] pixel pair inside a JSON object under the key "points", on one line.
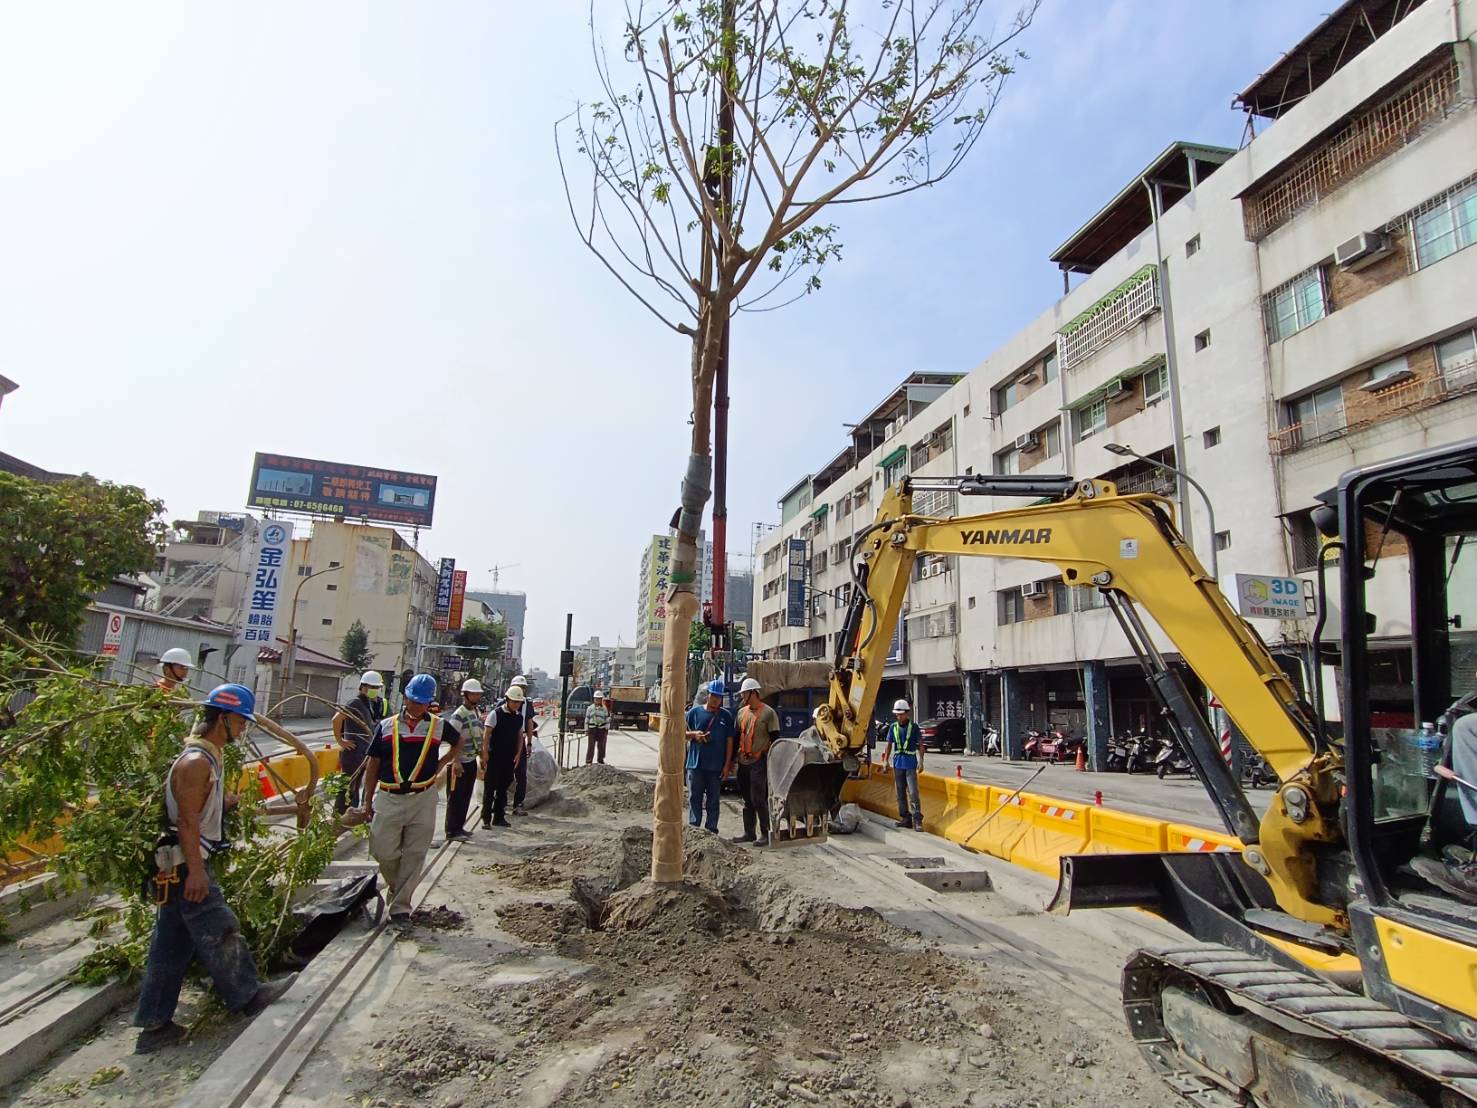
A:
{"points": [[597, 728], [905, 749], [758, 727], [466, 720], [530, 730], [353, 727], [174, 670]]}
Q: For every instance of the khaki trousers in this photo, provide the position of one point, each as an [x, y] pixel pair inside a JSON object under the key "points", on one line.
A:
{"points": [[399, 838]]}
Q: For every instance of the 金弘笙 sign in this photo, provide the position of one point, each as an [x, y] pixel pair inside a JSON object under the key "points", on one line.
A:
{"points": [[264, 585]]}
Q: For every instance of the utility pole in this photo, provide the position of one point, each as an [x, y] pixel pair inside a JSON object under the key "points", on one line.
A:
{"points": [[566, 666], [290, 664], [720, 377]]}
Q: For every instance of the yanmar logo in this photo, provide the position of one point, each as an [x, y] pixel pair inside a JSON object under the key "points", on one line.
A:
{"points": [[1020, 536]]}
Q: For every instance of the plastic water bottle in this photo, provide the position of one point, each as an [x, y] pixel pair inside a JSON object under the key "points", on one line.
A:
{"points": [[1428, 749]]}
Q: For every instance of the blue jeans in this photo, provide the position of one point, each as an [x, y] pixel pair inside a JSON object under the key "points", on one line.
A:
{"points": [[704, 786], [906, 781], [182, 931]]}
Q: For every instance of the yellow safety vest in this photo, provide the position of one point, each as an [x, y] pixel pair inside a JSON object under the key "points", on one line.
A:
{"points": [[421, 761]]}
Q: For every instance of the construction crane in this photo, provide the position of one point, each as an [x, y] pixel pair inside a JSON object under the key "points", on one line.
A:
{"points": [[1333, 960], [497, 570]]}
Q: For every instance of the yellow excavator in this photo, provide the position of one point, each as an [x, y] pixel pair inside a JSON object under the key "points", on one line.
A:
{"points": [[1319, 967]]}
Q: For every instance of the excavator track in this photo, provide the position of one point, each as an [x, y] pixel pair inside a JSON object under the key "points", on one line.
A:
{"points": [[1359, 1037]]}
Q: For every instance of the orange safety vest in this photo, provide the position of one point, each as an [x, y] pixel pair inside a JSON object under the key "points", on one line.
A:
{"points": [[746, 734]]}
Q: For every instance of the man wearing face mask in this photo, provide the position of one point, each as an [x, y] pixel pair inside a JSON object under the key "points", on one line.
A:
{"points": [[403, 768], [194, 920], [353, 725]]}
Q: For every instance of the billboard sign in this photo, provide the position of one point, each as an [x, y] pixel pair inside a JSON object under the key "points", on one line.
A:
{"points": [[444, 574], [1261, 597], [264, 587], [458, 600], [286, 484], [795, 566]]}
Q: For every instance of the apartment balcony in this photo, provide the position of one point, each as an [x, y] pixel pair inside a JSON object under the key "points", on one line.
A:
{"points": [[1109, 318], [1387, 404]]}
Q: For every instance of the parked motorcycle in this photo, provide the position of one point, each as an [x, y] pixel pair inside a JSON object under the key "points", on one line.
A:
{"points": [[1118, 750], [1171, 759], [1052, 746], [1256, 773]]}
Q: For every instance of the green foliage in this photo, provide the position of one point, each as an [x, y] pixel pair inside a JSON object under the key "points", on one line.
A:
{"points": [[85, 760], [355, 647], [479, 632], [64, 541], [699, 638]]}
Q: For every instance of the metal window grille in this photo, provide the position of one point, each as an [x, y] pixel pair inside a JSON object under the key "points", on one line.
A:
{"points": [[934, 625], [1442, 225], [937, 503], [1364, 140], [1086, 597], [1295, 304], [1118, 314], [1397, 400]]}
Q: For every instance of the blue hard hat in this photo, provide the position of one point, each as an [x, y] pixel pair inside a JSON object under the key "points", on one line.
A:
{"points": [[716, 687], [233, 698], [421, 688]]}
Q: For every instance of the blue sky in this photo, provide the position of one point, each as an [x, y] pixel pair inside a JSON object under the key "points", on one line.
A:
{"points": [[337, 230]]}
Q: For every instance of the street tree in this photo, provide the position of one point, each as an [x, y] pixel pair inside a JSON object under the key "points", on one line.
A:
{"points": [[724, 136], [355, 647], [64, 541], [489, 636]]}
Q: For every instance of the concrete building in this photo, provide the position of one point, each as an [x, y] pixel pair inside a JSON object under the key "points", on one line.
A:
{"points": [[377, 578], [512, 608], [651, 602], [1265, 317], [738, 599]]}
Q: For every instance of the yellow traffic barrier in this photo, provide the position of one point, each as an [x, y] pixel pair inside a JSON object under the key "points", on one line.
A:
{"points": [[1111, 832], [1029, 829], [1051, 828]]}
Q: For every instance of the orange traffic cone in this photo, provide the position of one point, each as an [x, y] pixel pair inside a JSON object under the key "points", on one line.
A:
{"points": [[1082, 759]]}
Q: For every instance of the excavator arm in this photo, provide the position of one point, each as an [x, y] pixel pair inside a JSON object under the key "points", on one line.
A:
{"points": [[1128, 547]]}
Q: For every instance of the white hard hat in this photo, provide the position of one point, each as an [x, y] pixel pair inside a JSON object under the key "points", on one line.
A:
{"points": [[901, 706], [817, 713], [520, 680], [471, 684], [372, 679], [599, 694], [749, 685], [176, 656], [515, 694]]}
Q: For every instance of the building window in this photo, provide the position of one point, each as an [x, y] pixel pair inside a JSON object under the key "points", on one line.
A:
{"points": [[1087, 597], [1202, 340], [1060, 598], [1457, 358], [1316, 415], [971, 603], [937, 624], [1450, 225], [1114, 315], [1011, 606], [966, 411], [1050, 438], [1156, 385], [1007, 396], [1048, 368], [1305, 540], [331, 588], [1300, 302], [304, 571], [1192, 247], [334, 565], [1008, 461], [818, 563], [1092, 419], [892, 473], [328, 623], [1223, 540], [1212, 437]]}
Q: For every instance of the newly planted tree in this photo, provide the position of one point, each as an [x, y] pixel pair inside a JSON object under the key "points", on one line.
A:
{"points": [[355, 647], [724, 135]]}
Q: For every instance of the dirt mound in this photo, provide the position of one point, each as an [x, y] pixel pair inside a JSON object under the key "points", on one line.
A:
{"points": [[602, 786], [437, 1052], [676, 910], [439, 918]]}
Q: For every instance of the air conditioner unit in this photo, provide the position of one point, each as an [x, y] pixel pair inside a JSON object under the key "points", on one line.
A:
{"points": [[1115, 388], [1026, 442], [1363, 250], [935, 570], [1034, 588], [1027, 377]]}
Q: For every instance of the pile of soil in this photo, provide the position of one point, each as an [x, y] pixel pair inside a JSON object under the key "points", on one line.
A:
{"points": [[599, 786], [586, 984]]}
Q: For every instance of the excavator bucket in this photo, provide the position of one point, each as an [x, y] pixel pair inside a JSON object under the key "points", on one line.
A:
{"points": [[805, 782]]}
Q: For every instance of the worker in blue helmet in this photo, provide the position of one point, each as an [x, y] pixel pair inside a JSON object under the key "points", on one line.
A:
{"points": [[194, 920], [710, 732], [404, 766]]}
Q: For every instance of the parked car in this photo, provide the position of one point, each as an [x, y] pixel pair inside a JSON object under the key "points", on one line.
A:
{"points": [[943, 735]]}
